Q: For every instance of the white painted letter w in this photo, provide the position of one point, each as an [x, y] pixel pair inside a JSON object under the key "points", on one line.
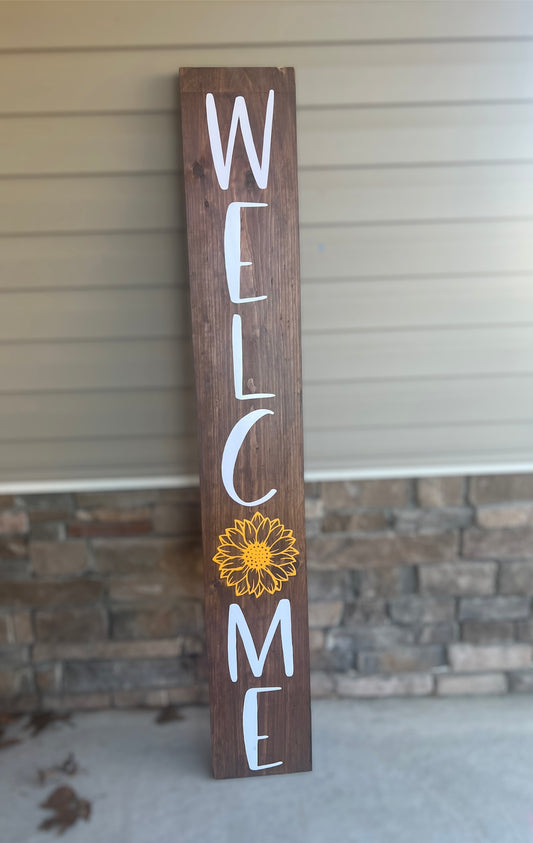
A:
{"points": [[240, 115]]}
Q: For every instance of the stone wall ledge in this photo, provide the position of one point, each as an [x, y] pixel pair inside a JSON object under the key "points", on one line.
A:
{"points": [[417, 587]]}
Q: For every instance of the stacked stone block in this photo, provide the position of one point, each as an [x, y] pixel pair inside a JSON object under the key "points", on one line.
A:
{"points": [[416, 587], [101, 600], [437, 582]]}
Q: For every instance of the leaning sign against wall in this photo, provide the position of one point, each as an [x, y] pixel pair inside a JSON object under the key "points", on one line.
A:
{"points": [[239, 146]]}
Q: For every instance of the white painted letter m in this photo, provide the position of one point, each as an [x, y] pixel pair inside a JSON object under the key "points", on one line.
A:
{"points": [[236, 620]]}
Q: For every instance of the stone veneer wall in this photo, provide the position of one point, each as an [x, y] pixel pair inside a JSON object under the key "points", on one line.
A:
{"points": [[417, 587]]}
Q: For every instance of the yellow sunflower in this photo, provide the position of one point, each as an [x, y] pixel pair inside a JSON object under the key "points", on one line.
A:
{"points": [[256, 556]]}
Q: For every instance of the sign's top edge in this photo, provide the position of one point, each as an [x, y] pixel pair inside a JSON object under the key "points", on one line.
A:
{"points": [[230, 79]]}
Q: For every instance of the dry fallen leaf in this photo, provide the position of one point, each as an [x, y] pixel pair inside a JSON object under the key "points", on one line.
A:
{"points": [[8, 717], [40, 720], [68, 808], [5, 742], [169, 714], [68, 767], [9, 742]]}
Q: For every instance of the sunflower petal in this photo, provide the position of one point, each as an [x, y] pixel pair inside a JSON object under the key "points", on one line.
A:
{"points": [[235, 537], [233, 577], [253, 580], [278, 572], [268, 580], [241, 588], [289, 568], [257, 519], [250, 532], [232, 564], [229, 553], [263, 530], [276, 532], [288, 556], [283, 544]]}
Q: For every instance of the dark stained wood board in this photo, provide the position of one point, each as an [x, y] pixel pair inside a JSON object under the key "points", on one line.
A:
{"points": [[254, 555]]}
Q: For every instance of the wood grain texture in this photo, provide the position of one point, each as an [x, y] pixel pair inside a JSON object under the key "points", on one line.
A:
{"points": [[272, 453]]}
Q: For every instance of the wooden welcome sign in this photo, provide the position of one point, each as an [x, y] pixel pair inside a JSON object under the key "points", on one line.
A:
{"points": [[239, 149]]}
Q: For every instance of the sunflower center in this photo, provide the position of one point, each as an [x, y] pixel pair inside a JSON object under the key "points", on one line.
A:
{"points": [[256, 555]]}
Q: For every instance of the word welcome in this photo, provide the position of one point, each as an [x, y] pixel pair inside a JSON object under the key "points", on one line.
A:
{"points": [[233, 264]]}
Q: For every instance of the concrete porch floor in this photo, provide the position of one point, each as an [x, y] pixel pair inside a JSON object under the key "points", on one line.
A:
{"points": [[385, 771]]}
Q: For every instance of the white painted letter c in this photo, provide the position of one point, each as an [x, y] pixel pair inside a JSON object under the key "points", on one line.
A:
{"points": [[231, 451]]}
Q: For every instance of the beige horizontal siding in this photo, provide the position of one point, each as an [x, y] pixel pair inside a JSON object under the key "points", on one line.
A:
{"points": [[124, 313], [93, 260], [88, 314], [415, 131], [98, 415], [445, 447], [477, 446], [468, 302], [408, 353], [81, 459], [38, 25], [151, 202], [77, 367], [344, 74], [412, 251], [450, 248], [387, 404], [392, 404], [337, 137]]}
